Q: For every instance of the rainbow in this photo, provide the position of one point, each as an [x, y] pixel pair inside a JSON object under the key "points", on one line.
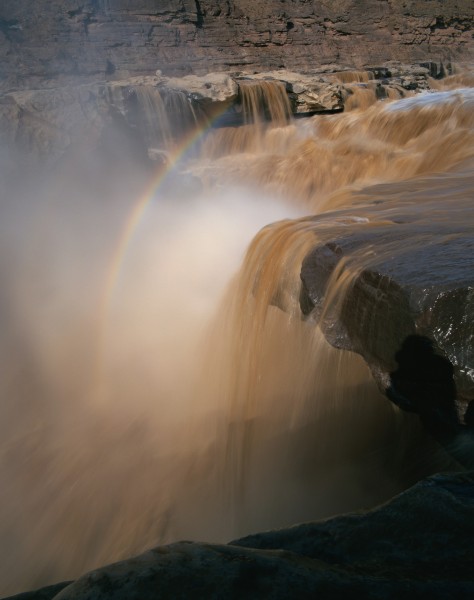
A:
{"points": [[131, 225]]}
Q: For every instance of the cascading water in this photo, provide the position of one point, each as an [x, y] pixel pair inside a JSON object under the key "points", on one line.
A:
{"points": [[265, 100], [220, 410], [265, 108], [162, 117]]}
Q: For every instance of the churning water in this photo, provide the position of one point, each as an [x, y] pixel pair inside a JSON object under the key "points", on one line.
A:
{"points": [[158, 381]]}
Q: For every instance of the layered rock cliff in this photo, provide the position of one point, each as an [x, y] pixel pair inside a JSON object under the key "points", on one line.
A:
{"points": [[95, 39]]}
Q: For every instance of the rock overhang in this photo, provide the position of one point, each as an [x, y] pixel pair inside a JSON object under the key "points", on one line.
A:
{"points": [[408, 272]]}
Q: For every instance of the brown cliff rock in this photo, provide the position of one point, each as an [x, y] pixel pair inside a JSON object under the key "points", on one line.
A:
{"points": [[95, 39]]}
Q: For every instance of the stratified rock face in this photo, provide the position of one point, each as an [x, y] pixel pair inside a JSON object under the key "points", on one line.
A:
{"points": [[418, 545], [45, 40], [407, 303]]}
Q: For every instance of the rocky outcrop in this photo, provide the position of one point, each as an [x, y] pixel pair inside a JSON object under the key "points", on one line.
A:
{"points": [[417, 545], [407, 305], [42, 42]]}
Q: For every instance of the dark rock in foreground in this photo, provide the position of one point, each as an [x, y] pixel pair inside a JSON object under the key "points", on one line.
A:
{"points": [[45, 593], [419, 545]]}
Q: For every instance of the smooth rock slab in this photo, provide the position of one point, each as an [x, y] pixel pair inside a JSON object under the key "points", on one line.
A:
{"points": [[419, 545]]}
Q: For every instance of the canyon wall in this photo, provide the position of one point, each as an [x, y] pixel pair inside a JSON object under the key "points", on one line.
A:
{"points": [[99, 39]]}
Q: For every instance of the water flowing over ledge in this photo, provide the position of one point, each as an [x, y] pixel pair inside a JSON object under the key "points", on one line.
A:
{"points": [[213, 408], [159, 114]]}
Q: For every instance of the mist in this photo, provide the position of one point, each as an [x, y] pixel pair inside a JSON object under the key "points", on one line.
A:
{"points": [[100, 360]]}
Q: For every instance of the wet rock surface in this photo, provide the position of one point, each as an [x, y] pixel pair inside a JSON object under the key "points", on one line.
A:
{"points": [[419, 545], [407, 304]]}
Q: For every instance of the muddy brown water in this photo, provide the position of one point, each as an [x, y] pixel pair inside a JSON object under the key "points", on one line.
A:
{"points": [[185, 397]]}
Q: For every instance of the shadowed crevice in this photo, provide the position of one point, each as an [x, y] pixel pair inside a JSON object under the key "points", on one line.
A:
{"points": [[200, 17], [424, 381]]}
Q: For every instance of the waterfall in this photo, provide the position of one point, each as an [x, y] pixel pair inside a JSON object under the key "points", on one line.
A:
{"points": [[265, 100], [265, 109], [222, 409], [317, 161], [163, 117], [354, 76]]}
